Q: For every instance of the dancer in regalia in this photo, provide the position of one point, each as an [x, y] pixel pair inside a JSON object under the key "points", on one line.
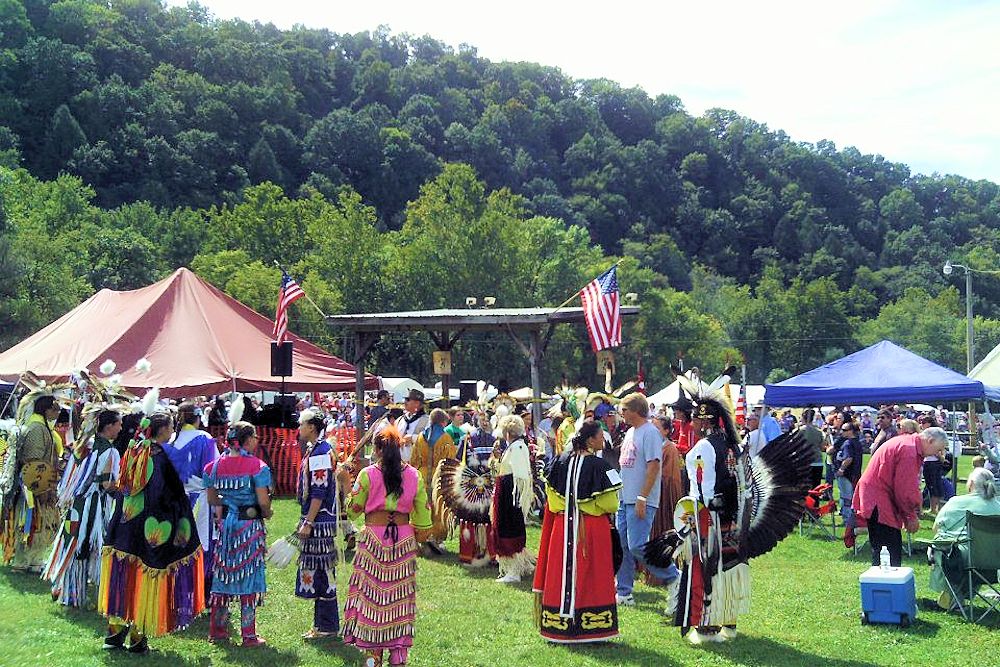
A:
{"points": [[317, 494], [152, 575], [238, 485], [29, 516], [87, 492], [381, 603], [433, 446], [513, 496], [575, 576], [737, 509], [190, 453], [463, 492]]}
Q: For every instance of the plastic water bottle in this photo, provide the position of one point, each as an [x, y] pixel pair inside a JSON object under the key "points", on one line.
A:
{"points": [[883, 558]]}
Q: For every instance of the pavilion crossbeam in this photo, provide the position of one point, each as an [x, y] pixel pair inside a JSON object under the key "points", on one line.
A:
{"points": [[367, 328]]}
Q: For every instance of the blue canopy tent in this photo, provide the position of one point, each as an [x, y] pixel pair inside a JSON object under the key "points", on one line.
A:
{"points": [[882, 373]]}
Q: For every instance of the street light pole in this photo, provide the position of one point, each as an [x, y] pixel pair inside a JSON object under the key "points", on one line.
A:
{"points": [[969, 356], [949, 267]]}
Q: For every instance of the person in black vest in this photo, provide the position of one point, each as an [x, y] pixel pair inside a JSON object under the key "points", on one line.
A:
{"points": [[412, 422]]}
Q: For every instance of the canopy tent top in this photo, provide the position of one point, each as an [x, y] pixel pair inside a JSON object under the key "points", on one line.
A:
{"points": [[881, 373], [198, 339]]}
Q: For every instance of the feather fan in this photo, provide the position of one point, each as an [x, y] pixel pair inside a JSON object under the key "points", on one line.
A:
{"points": [[777, 481], [461, 492]]}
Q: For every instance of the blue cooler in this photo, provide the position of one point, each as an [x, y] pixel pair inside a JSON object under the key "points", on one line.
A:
{"points": [[888, 596]]}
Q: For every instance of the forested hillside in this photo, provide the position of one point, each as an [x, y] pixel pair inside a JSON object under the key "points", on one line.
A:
{"points": [[397, 172]]}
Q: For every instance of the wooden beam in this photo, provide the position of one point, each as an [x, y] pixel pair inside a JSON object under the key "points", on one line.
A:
{"points": [[363, 341], [535, 361], [520, 344]]}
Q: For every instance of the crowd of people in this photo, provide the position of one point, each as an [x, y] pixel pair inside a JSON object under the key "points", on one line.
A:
{"points": [[143, 506]]}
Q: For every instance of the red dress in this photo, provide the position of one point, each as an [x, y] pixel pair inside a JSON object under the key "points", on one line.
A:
{"points": [[575, 578]]}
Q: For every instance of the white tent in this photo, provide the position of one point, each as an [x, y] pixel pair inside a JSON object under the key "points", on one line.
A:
{"points": [[987, 371], [671, 393], [400, 387], [524, 394]]}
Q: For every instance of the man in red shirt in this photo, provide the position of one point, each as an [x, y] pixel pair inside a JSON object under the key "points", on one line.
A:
{"points": [[888, 493], [682, 423]]}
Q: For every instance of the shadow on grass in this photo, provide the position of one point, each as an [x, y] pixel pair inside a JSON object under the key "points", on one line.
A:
{"points": [[25, 583], [614, 653], [763, 651], [337, 648]]}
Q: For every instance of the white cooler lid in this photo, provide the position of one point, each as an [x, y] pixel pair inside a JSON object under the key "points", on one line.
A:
{"points": [[894, 575]]}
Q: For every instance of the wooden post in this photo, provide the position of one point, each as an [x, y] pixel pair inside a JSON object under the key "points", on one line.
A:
{"points": [[535, 360], [359, 385]]}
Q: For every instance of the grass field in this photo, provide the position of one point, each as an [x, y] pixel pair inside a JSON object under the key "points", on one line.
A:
{"points": [[805, 612]]}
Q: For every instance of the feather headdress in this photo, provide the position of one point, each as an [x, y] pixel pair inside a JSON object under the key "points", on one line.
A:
{"points": [[572, 400], [711, 400], [36, 388]]}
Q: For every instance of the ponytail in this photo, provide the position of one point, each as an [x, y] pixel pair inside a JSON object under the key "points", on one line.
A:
{"points": [[387, 444], [587, 431]]}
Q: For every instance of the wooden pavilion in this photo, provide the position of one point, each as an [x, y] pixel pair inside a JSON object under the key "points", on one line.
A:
{"points": [[530, 328]]}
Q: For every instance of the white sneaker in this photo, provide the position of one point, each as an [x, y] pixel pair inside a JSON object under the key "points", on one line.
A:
{"points": [[625, 600], [728, 633], [509, 579], [696, 637], [672, 590]]}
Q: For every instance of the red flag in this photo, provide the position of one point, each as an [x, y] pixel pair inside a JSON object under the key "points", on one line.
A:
{"points": [[290, 293], [601, 310]]}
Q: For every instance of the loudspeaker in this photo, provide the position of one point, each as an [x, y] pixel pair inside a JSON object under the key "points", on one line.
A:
{"points": [[466, 391], [281, 359]]}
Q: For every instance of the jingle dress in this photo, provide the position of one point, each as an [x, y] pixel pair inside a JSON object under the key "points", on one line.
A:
{"points": [[575, 576], [381, 602], [241, 543], [317, 578]]}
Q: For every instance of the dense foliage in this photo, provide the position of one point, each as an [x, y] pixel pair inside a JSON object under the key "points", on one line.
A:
{"points": [[391, 172]]}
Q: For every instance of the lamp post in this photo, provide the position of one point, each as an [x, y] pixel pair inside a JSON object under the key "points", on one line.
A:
{"points": [[948, 269]]}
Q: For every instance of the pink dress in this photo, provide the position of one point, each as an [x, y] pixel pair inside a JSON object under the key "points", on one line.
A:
{"points": [[381, 599]]}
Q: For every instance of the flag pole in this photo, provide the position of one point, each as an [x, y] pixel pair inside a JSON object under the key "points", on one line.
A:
{"points": [[577, 293], [305, 294]]}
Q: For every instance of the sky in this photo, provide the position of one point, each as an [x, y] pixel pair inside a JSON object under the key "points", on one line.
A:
{"points": [[917, 81]]}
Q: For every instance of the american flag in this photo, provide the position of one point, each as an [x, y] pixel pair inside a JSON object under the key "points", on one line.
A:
{"points": [[601, 310], [290, 293], [741, 406]]}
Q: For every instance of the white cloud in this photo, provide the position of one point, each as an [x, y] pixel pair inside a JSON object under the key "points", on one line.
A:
{"points": [[916, 81]]}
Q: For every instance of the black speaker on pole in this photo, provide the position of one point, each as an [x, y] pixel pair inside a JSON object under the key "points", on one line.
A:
{"points": [[281, 359]]}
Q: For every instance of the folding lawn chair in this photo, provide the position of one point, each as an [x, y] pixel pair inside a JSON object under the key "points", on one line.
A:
{"points": [[820, 505], [984, 561]]}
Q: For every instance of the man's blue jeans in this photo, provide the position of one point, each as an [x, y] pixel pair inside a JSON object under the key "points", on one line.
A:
{"points": [[846, 489], [634, 534]]}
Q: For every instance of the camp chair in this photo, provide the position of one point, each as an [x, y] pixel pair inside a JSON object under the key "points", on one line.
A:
{"points": [[984, 561], [819, 505]]}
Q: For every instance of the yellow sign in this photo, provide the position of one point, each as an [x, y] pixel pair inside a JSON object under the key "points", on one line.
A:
{"points": [[442, 362], [605, 358]]}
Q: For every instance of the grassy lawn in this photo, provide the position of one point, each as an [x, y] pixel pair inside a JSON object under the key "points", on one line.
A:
{"points": [[806, 607]]}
